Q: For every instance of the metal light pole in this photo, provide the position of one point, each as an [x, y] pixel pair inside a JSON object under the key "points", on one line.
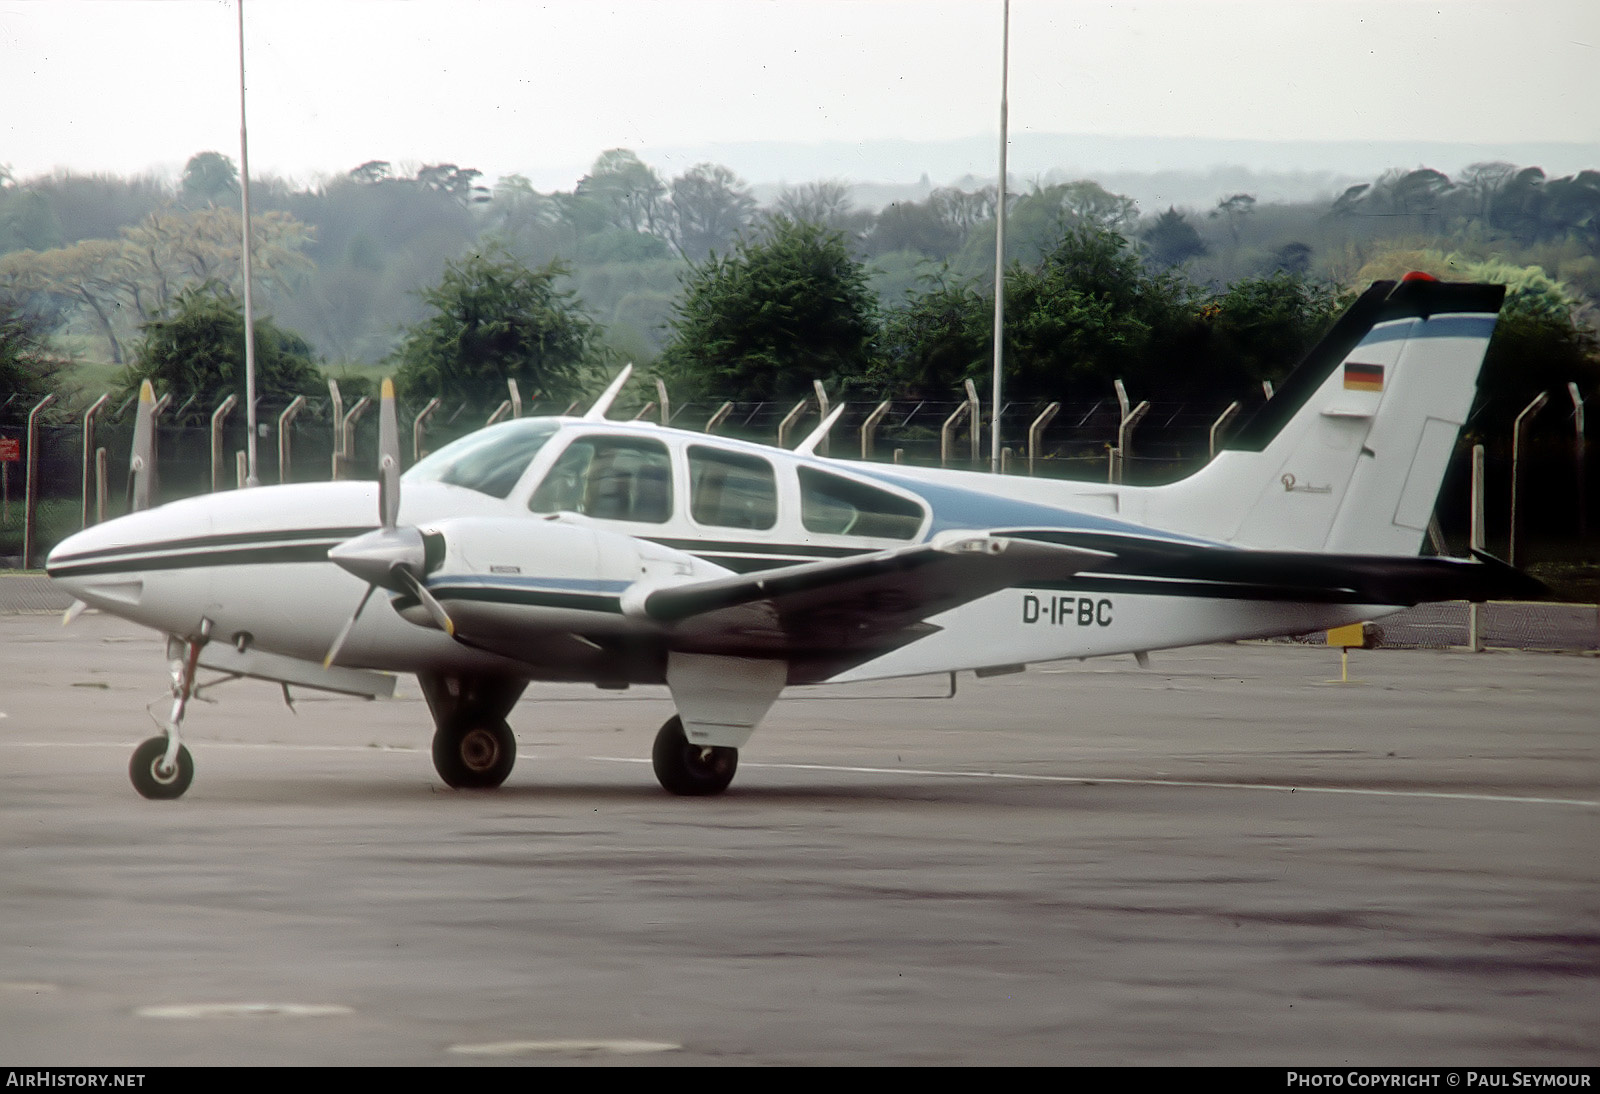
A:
{"points": [[249, 300], [1000, 247]]}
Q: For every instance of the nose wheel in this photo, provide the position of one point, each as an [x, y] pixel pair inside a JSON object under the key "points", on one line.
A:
{"points": [[161, 768], [683, 767], [154, 776]]}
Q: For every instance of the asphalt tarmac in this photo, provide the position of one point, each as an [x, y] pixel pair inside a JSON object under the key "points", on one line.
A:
{"points": [[1223, 859]]}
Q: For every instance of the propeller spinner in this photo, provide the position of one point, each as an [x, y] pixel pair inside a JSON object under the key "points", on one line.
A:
{"points": [[391, 558]]}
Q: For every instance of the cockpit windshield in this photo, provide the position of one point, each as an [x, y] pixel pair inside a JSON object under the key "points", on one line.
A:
{"points": [[489, 461]]}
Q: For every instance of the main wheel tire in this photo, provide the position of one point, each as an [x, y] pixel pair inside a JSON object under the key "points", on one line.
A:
{"points": [[150, 776], [474, 753], [690, 769]]}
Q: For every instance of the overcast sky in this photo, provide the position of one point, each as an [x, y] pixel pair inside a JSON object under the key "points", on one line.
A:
{"points": [[128, 86]]}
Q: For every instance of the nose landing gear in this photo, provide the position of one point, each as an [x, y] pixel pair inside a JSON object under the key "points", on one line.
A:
{"points": [[161, 768]]}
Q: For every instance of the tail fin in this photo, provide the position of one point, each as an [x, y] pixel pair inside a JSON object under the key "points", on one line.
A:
{"points": [[1349, 454]]}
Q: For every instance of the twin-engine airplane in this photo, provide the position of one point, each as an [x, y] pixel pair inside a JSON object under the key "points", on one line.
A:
{"points": [[621, 553]]}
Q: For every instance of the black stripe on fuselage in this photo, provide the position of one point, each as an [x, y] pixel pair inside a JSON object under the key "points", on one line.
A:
{"points": [[230, 539], [523, 598], [200, 560]]}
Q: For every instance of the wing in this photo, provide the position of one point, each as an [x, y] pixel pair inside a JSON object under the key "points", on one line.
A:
{"points": [[851, 609]]}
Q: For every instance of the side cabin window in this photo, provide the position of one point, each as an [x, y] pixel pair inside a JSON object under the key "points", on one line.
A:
{"points": [[837, 506], [609, 478], [731, 489]]}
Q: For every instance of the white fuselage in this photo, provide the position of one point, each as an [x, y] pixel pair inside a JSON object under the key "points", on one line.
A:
{"points": [[253, 563]]}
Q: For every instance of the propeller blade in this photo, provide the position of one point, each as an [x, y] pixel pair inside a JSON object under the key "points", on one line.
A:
{"points": [[441, 618], [388, 458], [350, 625], [142, 464]]}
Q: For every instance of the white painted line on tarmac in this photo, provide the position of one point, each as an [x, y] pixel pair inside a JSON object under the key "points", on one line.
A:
{"points": [[568, 1047], [402, 749], [1200, 784], [244, 1010]]}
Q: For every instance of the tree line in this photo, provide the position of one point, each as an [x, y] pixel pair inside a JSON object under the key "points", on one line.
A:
{"points": [[457, 287]]}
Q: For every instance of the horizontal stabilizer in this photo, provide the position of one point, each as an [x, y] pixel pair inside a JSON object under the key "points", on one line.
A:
{"points": [[1235, 573]]}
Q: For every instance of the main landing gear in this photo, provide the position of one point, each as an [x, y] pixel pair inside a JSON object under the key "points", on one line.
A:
{"points": [[473, 747], [692, 770], [161, 767]]}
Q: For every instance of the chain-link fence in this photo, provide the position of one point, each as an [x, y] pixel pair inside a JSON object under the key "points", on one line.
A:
{"points": [[78, 483]]}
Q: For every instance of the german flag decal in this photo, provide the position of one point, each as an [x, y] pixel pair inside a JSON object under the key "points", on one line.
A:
{"points": [[1359, 377]]}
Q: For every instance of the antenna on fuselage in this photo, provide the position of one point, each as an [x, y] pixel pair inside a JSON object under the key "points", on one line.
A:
{"points": [[597, 413], [808, 446]]}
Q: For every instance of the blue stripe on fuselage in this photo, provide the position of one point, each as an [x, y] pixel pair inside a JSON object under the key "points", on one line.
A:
{"points": [[955, 507]]}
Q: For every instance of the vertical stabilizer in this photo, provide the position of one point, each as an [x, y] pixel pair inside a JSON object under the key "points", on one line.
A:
{"points": [[1350, 453]]}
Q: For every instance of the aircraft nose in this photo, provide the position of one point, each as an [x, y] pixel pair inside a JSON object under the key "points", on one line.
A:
{"points": [[74, 549], [100, 565]]}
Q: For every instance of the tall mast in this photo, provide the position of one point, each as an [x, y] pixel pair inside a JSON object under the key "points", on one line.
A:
{"points": [[999, 247], [249, 299]]}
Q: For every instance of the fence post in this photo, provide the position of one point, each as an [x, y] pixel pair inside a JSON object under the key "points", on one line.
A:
{"points": [[88, 450], [1516, 456], [1036, 431], [516, 396], [1130, 420], [666, 407], [974, 419], [218, 417], [1222, 423], [284, 446], [100, 477], [822, 408], [31, 496], [1475, 541], [338, 425], [1578, 460], [788, 423], [346, 452], [869, 429], [947, 431], [418, 425], [716, 419]]}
